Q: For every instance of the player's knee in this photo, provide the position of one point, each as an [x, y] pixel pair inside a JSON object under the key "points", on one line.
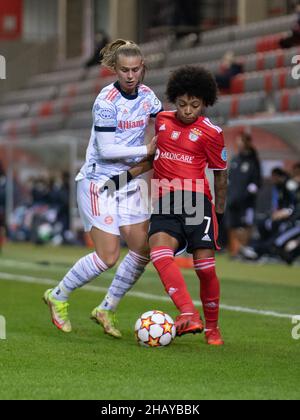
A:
{"points": [[143, 252], [161, 258], [109, 259]]}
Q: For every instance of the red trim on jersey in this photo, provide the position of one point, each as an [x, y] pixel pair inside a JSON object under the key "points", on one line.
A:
{"points": [[144, 88], [91, 196], [112, 94], [94, 199]]}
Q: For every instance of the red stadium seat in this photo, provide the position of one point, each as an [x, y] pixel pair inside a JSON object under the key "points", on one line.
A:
{"points": [[268, 43]]}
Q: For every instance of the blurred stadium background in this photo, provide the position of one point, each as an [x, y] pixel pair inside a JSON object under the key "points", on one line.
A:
{"points": [[52, 80], [48, 82]]}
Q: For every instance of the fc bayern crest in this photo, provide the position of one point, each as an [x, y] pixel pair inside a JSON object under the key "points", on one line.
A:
{"points": [[147, 106], [195, 133]]}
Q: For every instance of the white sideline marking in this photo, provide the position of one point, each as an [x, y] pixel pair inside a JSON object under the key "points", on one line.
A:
{"points": [[51, 282], [31, 266]]}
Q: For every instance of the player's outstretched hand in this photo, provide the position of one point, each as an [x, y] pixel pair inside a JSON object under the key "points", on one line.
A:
{"points": [[151, 147]]}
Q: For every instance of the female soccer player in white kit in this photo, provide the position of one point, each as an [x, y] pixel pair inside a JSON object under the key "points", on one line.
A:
{"points": [[120, 116]]}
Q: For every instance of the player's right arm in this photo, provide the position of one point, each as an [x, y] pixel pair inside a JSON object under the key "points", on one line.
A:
{"points": [[217, 161], [141, 168], [105, 126], [220, 190], [146, 164], [118, 181]]}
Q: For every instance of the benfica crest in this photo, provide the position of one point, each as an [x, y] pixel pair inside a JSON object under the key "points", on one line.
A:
{"points": [[195, 133]]}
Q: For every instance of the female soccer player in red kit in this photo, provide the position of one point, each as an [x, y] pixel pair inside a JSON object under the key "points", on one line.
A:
{"points": [[187, 143]]}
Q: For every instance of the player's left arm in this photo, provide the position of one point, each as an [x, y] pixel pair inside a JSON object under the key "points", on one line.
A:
{"points": [[220, 191], [217, 161]]}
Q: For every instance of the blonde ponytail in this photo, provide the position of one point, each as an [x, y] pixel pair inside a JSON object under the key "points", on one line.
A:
{"points": [[111, 52]]}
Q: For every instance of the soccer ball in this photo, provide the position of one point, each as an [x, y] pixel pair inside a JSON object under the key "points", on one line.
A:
{"points": [[155, 329]]}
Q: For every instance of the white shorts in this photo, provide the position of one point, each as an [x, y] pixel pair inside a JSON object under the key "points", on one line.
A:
{"points": [[110, 213]]}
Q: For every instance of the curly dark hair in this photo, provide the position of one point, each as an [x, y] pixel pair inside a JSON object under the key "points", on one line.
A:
{"points": [[192, 81]]}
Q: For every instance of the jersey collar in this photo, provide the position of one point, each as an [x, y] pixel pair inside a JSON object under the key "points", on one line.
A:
{"points": [[124, 94], [181, 124]]}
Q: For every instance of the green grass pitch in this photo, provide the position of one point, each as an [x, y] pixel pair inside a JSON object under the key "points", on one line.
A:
{"points": [[260, 359]]}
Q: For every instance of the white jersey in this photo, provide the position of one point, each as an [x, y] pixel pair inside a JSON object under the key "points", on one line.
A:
{"points": [[128, 117]]}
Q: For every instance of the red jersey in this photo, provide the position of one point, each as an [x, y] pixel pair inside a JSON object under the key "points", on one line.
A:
{"points": [[185, 151]]}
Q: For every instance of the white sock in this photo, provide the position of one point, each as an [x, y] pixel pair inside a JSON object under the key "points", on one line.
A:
{"points": [[85, 270], [129, 271]]}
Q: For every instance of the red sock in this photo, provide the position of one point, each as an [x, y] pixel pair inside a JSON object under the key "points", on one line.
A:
{"points": [[209, 290], [163, 260]]}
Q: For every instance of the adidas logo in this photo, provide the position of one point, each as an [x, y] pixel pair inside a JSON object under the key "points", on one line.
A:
{"points": [[211, 305], [162, 127], [206, 238], [171, 291]]}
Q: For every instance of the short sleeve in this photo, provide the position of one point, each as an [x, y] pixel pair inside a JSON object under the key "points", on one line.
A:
{"points": [[156, 105], [216, 153], [157, 125], [104, 116]]}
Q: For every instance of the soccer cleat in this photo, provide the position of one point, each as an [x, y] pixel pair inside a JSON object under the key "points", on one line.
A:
{"points": [[108, 321], [59, 312], [188, 323], [213, 337]]}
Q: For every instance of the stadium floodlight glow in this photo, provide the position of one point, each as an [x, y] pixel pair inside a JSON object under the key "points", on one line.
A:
{"points": [[2, 67], [296, 329], [296, 68], [2, 328]]}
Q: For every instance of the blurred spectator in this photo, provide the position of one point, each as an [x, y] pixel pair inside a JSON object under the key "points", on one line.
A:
{"points": [[2, 205], [278, 221], [101, 39], [162, 13], [287, 244], [293, 39], [40, 191], [229, 68], [47, 216], [183, 18], [187, 18], [244, 183], [59, 198]]}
